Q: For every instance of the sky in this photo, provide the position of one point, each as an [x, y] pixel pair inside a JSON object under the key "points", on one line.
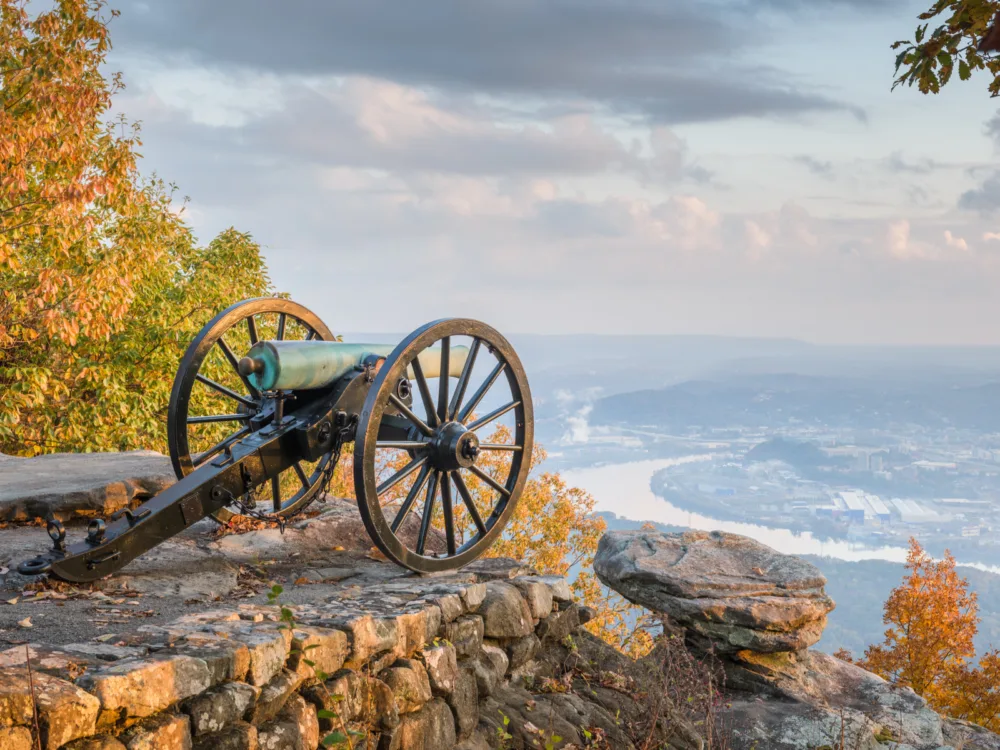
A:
{"points": [[731, 167]]}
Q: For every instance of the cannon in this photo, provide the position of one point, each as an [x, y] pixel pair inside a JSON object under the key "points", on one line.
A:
{"points": [[266, 398]]}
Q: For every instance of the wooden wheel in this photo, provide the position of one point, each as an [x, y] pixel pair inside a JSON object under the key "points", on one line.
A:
{"points": [[212, 406], [445, 455]]}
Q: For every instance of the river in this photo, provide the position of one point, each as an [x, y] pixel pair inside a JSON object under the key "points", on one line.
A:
{"points": [[624, 489]]}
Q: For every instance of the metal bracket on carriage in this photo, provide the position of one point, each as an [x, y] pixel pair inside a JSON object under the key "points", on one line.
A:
{"points": [[276, 419]]}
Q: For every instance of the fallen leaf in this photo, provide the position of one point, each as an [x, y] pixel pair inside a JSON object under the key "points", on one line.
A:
{"points": [[338, 548], [301, 581], [13, 601], [106, 637], [25, 623]]}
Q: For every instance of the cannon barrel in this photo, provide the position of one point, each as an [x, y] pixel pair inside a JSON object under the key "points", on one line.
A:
{"points": [[301, 365]]}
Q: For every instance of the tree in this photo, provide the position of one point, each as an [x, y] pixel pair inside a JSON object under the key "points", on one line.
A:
{"points": [[933, 619], [101, 282], [966, 34]]}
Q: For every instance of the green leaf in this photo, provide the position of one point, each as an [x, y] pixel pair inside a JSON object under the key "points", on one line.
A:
{"points": [[964, 73], [324, 713], [919, 36], [335, 738]]}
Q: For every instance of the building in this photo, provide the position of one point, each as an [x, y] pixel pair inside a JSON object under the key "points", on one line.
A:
{"points": [[852, 507]]}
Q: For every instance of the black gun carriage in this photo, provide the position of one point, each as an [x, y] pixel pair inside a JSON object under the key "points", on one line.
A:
{"points": [[295, 397]]}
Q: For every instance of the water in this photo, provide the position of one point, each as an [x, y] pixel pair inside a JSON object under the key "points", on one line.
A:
{"points": [[624, 490]]}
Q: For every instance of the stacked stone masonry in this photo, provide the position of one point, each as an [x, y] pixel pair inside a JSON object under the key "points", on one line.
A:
{"points": [[412, 661]]}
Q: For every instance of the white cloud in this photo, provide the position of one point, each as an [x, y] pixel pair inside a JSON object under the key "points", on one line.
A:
{"points": [[898, 240], [956, 242]]}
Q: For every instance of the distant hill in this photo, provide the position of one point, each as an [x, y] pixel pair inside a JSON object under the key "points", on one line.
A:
{"points": [[755, 401]]}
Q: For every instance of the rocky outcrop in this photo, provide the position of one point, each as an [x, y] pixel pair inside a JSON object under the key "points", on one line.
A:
{"points": [[755, 612], [72, 485], [729, 593]]}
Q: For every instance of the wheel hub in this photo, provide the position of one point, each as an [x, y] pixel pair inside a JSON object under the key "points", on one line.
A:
{"points": [[454, 447]]}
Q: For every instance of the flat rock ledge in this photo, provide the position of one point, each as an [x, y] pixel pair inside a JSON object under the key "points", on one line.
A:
{"points": [[411, 661], [754, 612], [79, 485]]}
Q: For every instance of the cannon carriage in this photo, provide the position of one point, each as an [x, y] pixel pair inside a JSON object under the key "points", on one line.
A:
{"points": [[265, 400]]}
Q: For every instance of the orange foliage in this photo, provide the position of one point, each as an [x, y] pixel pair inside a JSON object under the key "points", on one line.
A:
{"points": [[932, 619]]}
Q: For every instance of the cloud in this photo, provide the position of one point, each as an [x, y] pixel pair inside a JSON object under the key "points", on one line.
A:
{"points": [[663, 62], [957, 243], [897, 164], [814, 165], [985, 199], [898, 240]]}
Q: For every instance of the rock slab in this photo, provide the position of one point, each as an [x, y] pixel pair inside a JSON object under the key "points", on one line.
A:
{"points": [[729, 592]]}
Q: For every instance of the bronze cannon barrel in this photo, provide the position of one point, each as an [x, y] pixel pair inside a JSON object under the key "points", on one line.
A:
{"points": [[301, 365]]}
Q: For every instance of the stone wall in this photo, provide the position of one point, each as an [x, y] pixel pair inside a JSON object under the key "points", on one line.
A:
{"points": [[408, 661]]}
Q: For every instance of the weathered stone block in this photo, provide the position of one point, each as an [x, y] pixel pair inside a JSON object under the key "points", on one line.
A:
{"points": [[273, 696], [15, 699], [240, 736], [267, 651], [16, 738], [464, 702], [523, 650], [296, 728], [504, 611], [408, 681], [324, 647], [144, 687], [473, 595], [558, 625], [216, 709], [442, 667], [226, 660], [465, 634], [537, 594], [451, 606], [164, 732], [428, 729], [489, 666], [558, 586]]}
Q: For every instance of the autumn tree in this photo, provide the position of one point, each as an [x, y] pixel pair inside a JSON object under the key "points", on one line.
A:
{"points": [[928, 646], [101, 282], [932, 620], [957, 36]]}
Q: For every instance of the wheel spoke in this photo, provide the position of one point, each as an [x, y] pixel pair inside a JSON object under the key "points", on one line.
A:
{"points": [[443, 378], [408, 413], [469, 504], [493, 415], [425, 392], [425, 522], [220, 446], [463, 380], [281, 326], [311, 335], [276, 493], [236, 367], [252, 330], [218, 418], [225, 391], [302, 475], [489, 480], [449, 520], [400, 475], [478, 396], [411, 498], [405, 445], [500, 447]]}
